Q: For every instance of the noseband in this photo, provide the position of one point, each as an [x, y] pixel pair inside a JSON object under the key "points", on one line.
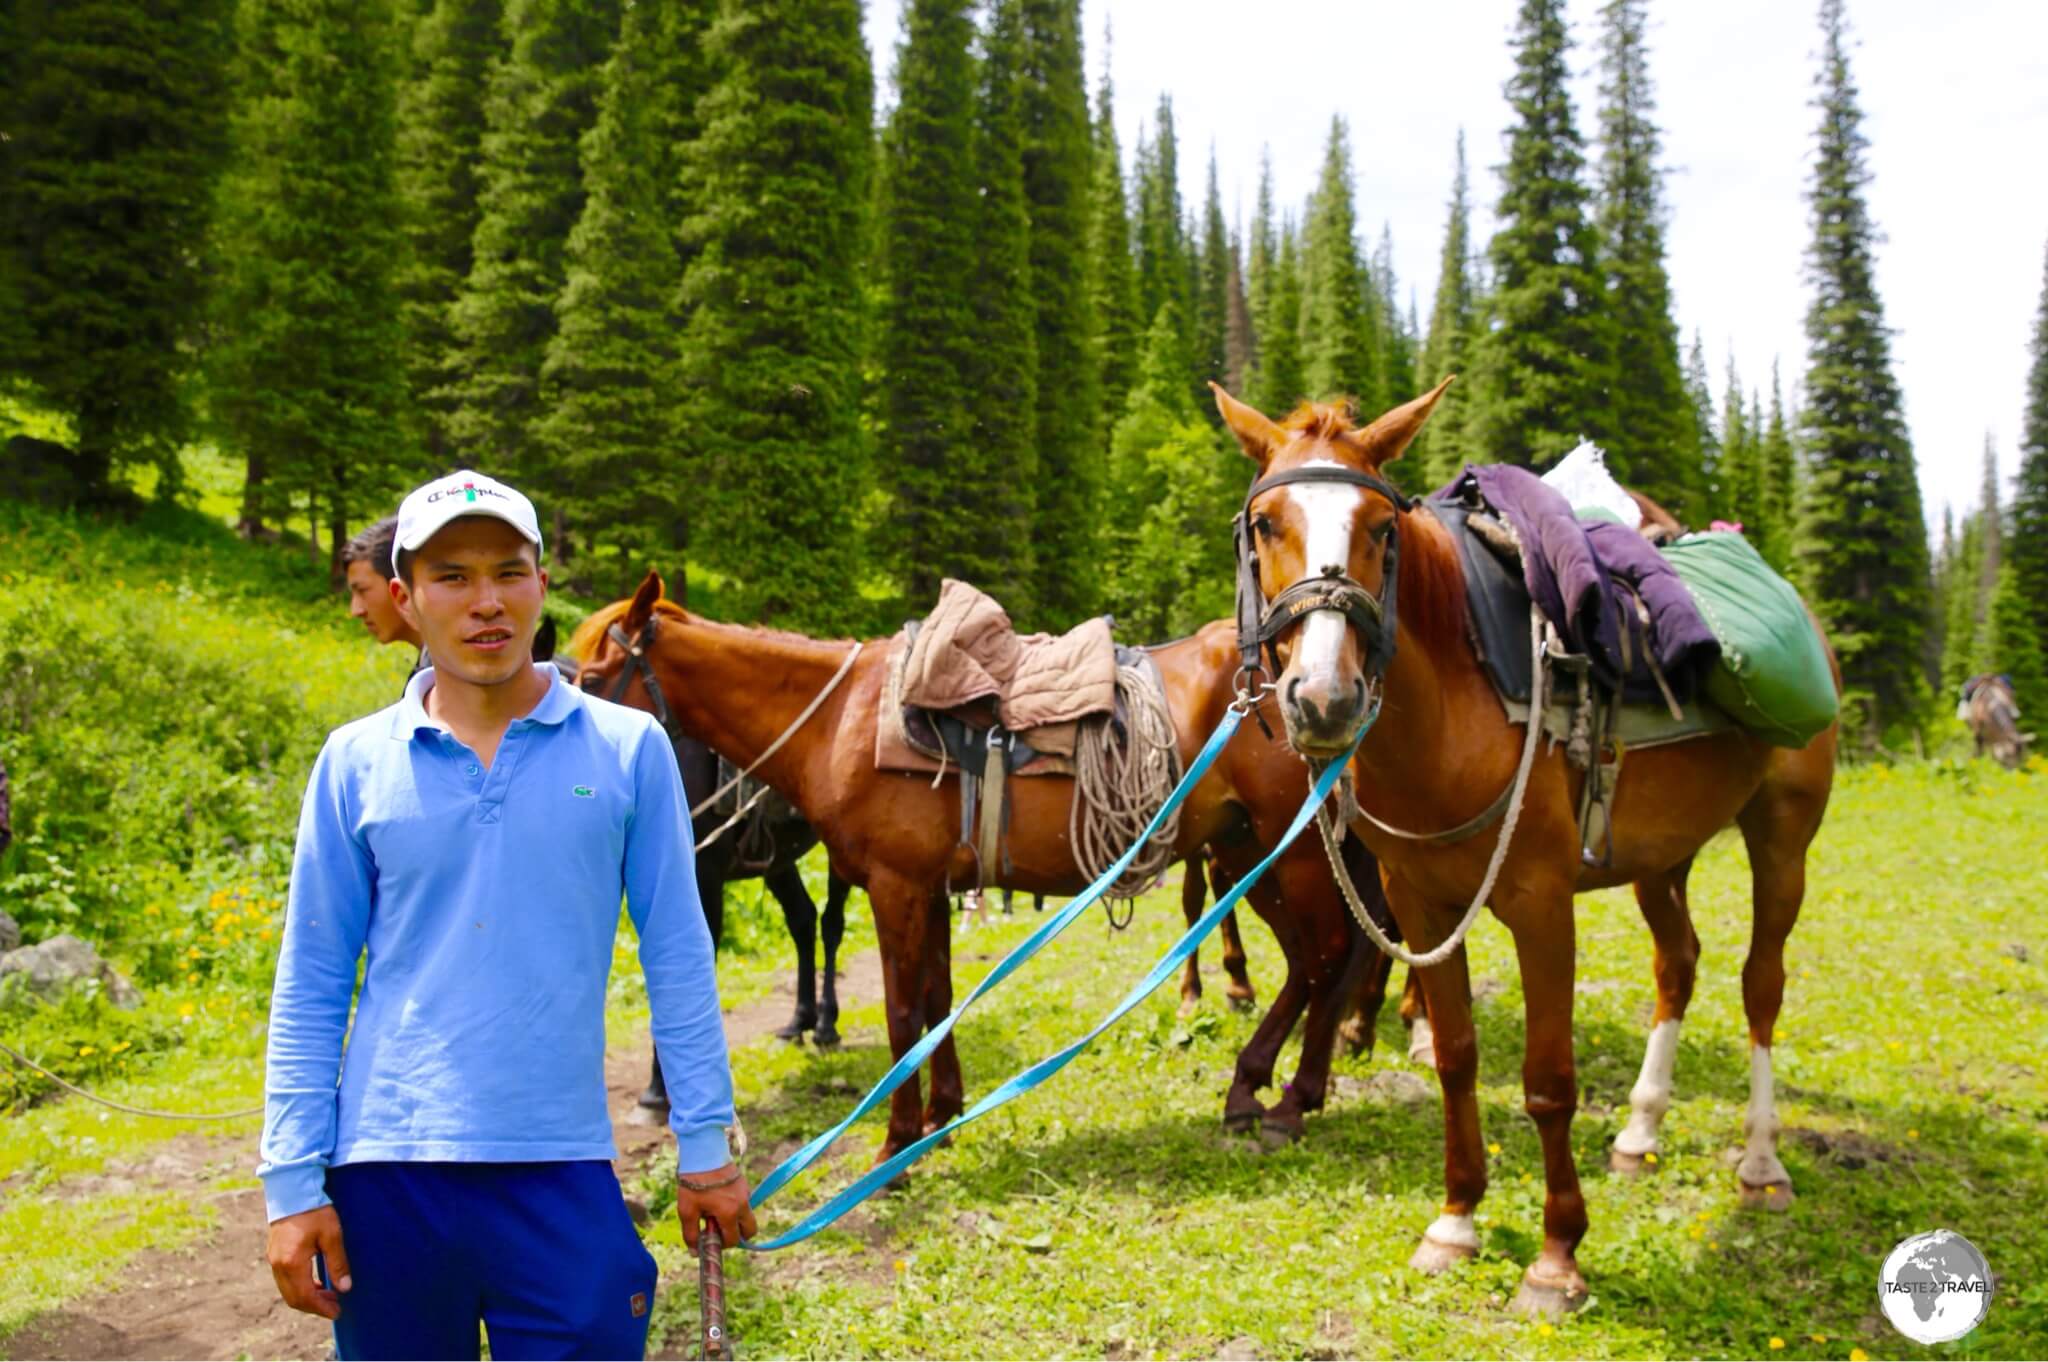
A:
{"points": [[1259, 623]]}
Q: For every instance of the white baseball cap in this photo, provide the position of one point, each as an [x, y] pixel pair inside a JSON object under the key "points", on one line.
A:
{"points": [[426, 509]]}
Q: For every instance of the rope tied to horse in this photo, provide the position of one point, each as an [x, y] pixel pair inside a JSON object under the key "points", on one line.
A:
{"points": [[1120, 782], [76, 1091], [1333, 835]]}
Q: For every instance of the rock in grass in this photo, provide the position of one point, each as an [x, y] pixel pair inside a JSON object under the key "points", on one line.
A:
{"points": [[55, 967], [10, 932]]}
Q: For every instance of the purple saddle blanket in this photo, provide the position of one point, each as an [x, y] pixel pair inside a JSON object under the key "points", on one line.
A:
{"points": [[1587, 577]]}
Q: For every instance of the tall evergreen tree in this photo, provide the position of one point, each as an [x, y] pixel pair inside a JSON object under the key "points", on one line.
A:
{"points": [[1699, 391], [608, 373], [1238, 347], [1212, 294], [1165, 258], [14, 54], [770, 356], [1115, 278], [1742, 483], [440, 157], [1781, 492], [1962, 605], [1654, 436], [931, 226], [1058, 155], [1987, 501], [1000, 454], [1395, 337], [114, 140], [1545, 362], [1338, 354], [2015, 647], [1283, 373], [542, 99], [313, 392], [2029, 527], [1862, 554], [1447, 346], [1261, 255]]}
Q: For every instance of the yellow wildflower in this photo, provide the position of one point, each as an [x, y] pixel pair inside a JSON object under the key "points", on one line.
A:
{"points": [[1545, 1330], [85, 1050], [119, 1046], [1858, 1355], [1493, 1149], [186, 1009], [1777, 1342]]}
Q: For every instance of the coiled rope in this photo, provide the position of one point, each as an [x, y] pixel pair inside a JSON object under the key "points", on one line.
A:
{"points": [[20, 1058], [1120, 782]]}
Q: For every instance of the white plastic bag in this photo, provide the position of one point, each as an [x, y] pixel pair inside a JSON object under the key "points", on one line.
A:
{"points": [[1582, 477]]}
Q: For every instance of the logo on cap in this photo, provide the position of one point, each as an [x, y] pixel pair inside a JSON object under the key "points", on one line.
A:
{"points": [[469, 490]]}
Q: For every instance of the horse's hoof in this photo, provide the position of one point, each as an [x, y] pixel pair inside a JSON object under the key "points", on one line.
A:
{"points": [[1243, 1002], [642, 1114], [1627, 1164], [1244, 1122], [1434, 1256], [932, 1126], [1190, 1003], [1549, 1294], [826, 1037], [792, 1033], [1771, 1196], [1277, 1132]]}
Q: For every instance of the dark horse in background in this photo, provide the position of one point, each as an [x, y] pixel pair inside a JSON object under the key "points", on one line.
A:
{"points": [[1993, 716], [766, 844]]}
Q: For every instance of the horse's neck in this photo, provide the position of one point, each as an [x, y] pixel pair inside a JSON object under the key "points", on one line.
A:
{"points": [[739, 690], [1440, 725]]}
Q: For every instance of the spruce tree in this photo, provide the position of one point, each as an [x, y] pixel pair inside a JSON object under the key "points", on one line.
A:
{"points": [[1397, 342], [1165, 258], [1699, 390], [1781, 492], [1862, 553], [542, 99], [608, 373], [1238, 345], [1212, 295], [1653, 439], [1338, 355], [1058, 157], [114, 139], [440, 156], [1742, 484], [2029, 549], [1283, 375], [770, 357], [931, 226], [1962, 606], [14, 44], [1261, 255], [1545, 361], [311, 392], [1447, 346], [998, 455], [1115, 277], [2015, 647]]}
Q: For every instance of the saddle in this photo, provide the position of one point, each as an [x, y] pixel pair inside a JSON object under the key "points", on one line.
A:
{"points": [[964, 691]]}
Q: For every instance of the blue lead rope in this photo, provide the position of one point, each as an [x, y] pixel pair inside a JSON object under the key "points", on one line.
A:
{"points": [[1022, 951], [878, 1176]]}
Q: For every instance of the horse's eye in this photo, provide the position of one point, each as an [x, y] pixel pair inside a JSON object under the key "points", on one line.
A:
{"points": [[1261, 526], [1381, 533]]}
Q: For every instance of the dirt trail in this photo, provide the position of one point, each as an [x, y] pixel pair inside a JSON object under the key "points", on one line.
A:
{"points": [[214, 1298]]}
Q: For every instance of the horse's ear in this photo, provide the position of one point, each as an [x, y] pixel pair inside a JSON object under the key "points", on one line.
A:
{"points": [[1386, 439], [642, 607], [1256, 434]]}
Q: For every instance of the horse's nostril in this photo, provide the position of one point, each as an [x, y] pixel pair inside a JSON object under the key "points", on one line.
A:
{"points": [[1293, 691]]}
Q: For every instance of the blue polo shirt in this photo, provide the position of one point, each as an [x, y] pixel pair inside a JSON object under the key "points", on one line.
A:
{"points": [[487, 900]]}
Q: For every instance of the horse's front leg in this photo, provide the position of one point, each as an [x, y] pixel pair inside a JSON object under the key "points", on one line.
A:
{"points": [[1545, 945], [1452, 1237], [949, 1095], [1194, 896], [904, 912]]}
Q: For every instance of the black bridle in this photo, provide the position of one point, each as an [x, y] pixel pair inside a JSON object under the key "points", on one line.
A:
{"points": [[1259, 622], [636, 651]]}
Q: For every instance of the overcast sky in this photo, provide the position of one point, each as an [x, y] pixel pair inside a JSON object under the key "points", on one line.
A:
{"points": [[1955, 95]]}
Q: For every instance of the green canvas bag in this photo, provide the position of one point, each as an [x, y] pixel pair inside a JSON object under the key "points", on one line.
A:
{"points": [[1774, 678]]}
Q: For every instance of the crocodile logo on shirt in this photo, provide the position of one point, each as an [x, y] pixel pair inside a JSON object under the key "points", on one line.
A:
{"points": [[583, 792]]}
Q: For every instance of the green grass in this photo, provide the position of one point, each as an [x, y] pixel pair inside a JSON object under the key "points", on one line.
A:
{"points": [[1108, 1214]]}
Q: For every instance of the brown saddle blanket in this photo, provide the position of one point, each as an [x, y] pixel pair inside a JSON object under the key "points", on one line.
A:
{"points": [[966, 658]]}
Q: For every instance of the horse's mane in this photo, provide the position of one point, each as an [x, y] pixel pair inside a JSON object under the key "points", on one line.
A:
{"points": [[604, 617], [1432, 588]]}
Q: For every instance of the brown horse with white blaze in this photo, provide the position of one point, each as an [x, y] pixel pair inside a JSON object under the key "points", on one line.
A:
{"points": [[1443, 751], [895, 834]]}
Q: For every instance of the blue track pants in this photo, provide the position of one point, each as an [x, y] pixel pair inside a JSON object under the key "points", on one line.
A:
{"points": [[543, 1255]]}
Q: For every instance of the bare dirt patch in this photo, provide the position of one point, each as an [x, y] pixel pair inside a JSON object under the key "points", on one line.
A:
{"points": [[214, 1298]]}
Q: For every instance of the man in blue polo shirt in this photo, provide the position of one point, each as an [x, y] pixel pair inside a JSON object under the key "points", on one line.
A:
{"points": [[474, 840]]}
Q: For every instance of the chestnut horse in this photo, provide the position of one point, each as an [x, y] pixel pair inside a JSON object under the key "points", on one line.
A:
{"points": [[893, 833], [1443, 751]]}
